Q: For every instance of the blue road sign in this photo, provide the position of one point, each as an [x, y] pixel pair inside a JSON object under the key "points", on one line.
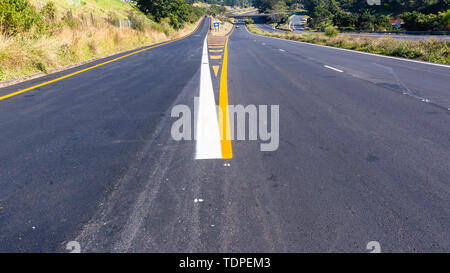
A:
{"points": [[216, 24]]}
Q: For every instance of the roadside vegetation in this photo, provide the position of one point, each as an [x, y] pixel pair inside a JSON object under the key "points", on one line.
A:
{"points": [[430, 50], [280, 10], [413, 15], [359, 15], [43, 36]]}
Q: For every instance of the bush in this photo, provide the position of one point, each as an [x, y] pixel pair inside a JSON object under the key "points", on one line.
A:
{"points": [[178, 11], [215, 10], [367, 21], [113, 19], [17, 16], [137, 22], [419, 21], [320, 18], [196, 13], [445, 19], [249, 21], [161, 28], [406, 51], [175, 21], [382, 23], [345, 20], [331, 31], [49, 11], [69, 20]]}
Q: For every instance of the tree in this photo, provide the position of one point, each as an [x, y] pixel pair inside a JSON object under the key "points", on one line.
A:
{"points": [[345, 20], [367, 21], [17, 16], [419, 21], [320, 18], [159, 9], [177, 11], [265, 5]]}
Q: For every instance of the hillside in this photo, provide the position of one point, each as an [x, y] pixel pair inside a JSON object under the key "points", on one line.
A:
{"points": [[47, 35], [102, 8]]}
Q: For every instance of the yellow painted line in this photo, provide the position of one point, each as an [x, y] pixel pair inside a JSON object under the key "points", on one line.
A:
{"points": [[95, 66], [212, 51], [215, 57], [224, 119], [215, 69], [221, 44]]}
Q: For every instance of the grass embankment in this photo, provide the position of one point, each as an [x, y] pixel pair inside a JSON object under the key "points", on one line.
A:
{"points": [[83, 38], [102, 8], [430, 50]]}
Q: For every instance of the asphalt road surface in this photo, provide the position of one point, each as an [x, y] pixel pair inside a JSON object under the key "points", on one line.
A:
{"points": [[298, 23], [268, 28], [364, 155]]}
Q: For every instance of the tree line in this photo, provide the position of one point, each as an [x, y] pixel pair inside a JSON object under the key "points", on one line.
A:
{"points": [[231, 3], [177, 12], [366, 15]]}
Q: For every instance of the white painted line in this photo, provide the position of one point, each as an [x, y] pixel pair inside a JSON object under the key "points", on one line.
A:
{"points": [[282, 50], [332, 68], [207, 131], [355, 51]]}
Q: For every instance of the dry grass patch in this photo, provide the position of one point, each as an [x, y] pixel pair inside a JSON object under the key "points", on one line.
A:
{"points": [[26, 54]]}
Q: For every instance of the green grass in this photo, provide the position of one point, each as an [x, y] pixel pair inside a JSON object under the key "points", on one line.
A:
{"points": [[100, 8]]}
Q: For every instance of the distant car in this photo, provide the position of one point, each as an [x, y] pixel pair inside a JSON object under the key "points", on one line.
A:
{"points": [[237, 26]]}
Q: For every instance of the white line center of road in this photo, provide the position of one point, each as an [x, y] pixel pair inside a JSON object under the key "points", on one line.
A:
{"points": [[207, 131], [282, 50], [332, 68]]}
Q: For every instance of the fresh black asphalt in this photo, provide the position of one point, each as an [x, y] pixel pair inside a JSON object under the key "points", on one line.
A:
{"points": [[361, 157]]}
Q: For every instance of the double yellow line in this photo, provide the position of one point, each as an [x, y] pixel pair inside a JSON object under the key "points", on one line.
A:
{"points": [[95, 66]]}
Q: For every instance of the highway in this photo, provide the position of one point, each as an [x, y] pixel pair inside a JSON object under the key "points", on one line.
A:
{"points": [[297, 23], [268, 28], [363, 154]]}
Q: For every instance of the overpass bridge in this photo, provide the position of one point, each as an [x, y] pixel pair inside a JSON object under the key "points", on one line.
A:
{"points": [[254, 15]]}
